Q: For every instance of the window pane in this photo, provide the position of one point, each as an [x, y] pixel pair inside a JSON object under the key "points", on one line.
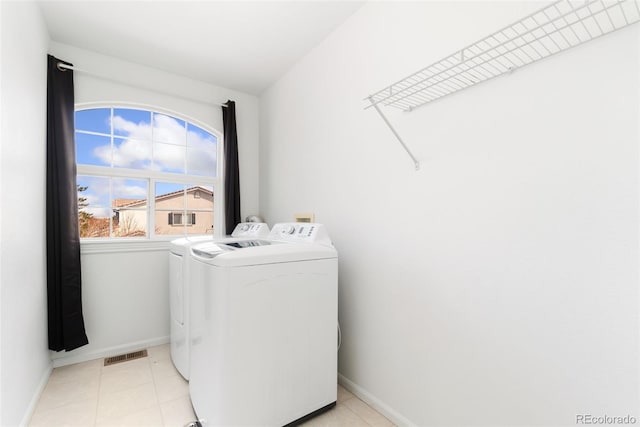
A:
{"points": [[201, 162], [129, 203], [198, 137], [200, 208], [169, 204], [95, 222], [169, 197], [200, 197], [168, 158], [93, 206], [129, 192], [94, 120], [132, 153], [170, 208], [95, 189], [132, 123], [93, 149], [201, 152], [203, 223], [169, 129]]}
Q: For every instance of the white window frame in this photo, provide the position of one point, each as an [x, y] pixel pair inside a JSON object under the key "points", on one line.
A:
{"points": [[153, 177]]}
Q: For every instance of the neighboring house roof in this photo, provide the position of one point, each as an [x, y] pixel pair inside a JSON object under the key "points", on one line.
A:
{"points": [[124, 202], [129, 203]]}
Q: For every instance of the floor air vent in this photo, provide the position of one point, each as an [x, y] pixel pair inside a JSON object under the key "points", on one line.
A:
{"points": [[124, 357]]}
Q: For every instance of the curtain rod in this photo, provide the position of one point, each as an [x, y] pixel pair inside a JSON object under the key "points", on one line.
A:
{"points": [[64, 67]]}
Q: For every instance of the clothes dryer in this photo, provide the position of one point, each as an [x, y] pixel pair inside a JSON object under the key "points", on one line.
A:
{"points": [[179, 289], [264, 334]]}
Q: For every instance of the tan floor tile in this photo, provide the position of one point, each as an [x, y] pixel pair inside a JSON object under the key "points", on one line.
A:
{"points": [[57, 394], [159, 352], [80, 414], [116, 405], [163, 368], [124, 376], [80, 371], [171, 388], [344, 394], [177, 413], [150, 417], [367, 413]]}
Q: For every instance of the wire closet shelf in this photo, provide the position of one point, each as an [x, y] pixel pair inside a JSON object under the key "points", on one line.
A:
{"points": [[555, 28]]}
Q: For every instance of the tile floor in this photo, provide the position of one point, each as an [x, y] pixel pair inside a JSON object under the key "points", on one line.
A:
{"points": [[150, 392]]}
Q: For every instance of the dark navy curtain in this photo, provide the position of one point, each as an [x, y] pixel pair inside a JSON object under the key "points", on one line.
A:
{"points": [[231, 170], [64, 296]]}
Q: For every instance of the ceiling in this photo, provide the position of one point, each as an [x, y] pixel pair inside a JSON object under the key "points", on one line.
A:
{"points": [[242, 45]]}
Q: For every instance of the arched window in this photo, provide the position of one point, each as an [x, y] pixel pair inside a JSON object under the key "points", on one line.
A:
{"points": [[145, 174]]}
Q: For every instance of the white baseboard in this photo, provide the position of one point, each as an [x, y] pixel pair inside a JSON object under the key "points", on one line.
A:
{"points": [[394, 416], [36, 396], [63, 360]]}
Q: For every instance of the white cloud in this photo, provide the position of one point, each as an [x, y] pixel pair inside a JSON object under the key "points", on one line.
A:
{"points": [[140, 130], [134, 150], [168, 157], [125, 189], [201, 154], [168, 129]]}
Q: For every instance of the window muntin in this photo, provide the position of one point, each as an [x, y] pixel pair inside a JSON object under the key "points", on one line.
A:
{"points": [[127, 157]]}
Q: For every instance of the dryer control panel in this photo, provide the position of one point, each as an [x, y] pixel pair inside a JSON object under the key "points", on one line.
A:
{"points": [[309, 232], [251, 229]]}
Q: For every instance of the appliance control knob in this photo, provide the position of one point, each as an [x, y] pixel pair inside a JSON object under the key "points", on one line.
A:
{"points": [[289, 229], [244, 227]]}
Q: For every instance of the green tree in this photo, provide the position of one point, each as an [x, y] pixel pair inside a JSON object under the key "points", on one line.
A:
{"points": [[83, 216]]}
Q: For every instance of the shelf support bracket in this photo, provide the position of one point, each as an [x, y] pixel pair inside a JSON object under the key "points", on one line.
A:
{"points": [[416, 163]]}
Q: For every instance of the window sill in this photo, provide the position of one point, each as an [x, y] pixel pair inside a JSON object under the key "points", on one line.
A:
{"points": [[120, 246]]}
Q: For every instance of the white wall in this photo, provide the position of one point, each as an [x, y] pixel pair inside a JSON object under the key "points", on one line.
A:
{"points": [[125, 287], [24, 356], [125, 301], [498, 285]]}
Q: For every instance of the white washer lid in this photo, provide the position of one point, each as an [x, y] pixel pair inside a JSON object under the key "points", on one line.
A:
{"points": [[274, 253], [179, 246]]}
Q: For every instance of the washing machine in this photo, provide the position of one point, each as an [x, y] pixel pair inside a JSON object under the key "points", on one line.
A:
{"points": [[179, 290], [264, 333]]}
